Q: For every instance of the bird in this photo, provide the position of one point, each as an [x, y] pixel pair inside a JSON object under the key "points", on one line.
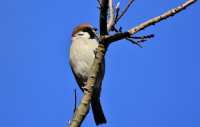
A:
{"points": [[82, 54]]}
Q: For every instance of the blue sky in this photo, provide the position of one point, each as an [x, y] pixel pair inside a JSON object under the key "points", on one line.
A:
{"points": [[154, 86]]}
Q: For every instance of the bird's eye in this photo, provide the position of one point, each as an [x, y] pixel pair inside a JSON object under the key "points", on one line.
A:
{"points": [[95, 29], [80, 34]]}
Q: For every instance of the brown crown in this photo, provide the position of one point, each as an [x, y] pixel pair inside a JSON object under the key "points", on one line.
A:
{"points": [[81, 27]]}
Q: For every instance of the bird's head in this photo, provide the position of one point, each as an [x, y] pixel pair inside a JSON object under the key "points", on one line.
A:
{"points": [[84, 30]]}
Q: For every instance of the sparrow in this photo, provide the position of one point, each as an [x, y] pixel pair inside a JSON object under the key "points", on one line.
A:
{"points": [[82, 54]]}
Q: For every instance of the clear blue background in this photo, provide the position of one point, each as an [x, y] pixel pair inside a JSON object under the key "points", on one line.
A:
{"points": [[154, 86]]}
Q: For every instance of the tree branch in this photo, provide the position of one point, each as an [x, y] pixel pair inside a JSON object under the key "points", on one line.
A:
{"points": [[124, 11], [132, 31], [99, 3], [103, 17], [106, 39], [111, 20]]}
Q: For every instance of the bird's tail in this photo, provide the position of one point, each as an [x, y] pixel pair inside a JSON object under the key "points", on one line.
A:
{"points": [[98, 112]]}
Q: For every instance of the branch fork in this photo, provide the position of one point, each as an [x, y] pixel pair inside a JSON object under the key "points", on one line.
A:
{"points": [[105, 39]]}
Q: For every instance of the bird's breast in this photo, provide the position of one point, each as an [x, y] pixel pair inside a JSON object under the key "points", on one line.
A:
{"points": [[82, 55]]}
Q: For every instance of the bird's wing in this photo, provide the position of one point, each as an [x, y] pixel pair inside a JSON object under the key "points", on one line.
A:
{"points": [[78, 78]]}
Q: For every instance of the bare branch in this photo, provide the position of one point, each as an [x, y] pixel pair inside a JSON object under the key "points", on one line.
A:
{"points": [[117, 6], [99, 2], [134, 42], [103, 17], [75, 100], [124, 11], [148, 23], [106, 39], [117, 11], [135, 39], [111, 15], [165, 15], [143, 37]]}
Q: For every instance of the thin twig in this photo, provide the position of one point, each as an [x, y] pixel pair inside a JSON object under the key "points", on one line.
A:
{"points": [[165, 15], [99, 2], [111, 15], [134, 30], [143, 37], [75, 100], [134, 42], [124, 11], [138, 40], [117, 11]]}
